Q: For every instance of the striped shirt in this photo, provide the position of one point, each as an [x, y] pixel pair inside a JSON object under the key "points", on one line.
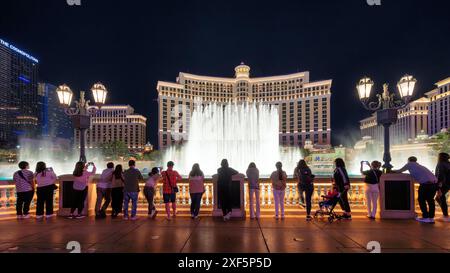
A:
{"points": [[24, 182]]}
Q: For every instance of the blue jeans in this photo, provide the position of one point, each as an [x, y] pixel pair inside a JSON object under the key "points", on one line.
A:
{"points": [[126, 200]]}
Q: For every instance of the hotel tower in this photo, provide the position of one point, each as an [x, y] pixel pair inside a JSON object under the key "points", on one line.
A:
{"points": [[304, 106]]}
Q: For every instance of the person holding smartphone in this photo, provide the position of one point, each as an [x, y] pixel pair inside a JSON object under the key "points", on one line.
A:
{"points": [[372, 186], [80, 188]]}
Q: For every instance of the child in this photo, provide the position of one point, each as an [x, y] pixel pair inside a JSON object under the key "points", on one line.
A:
{"points": [[329, 198]]}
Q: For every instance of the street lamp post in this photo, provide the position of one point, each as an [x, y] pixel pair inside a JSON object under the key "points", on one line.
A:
{"points": [[386, 107], [81, 113]]}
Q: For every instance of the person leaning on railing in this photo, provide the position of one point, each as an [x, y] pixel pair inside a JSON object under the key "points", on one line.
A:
{"points": [[196, 189], [150, 190], [253, 185], [427, 189], [117, 191], [443, 176], [23, 180]]}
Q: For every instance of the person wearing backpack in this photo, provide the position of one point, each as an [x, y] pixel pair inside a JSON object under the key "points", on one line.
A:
{"points": [[372, 186], [305, 184], [443, 175], [278, 179], [23, 179]]}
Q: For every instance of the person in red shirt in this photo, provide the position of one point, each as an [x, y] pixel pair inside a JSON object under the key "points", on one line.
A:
{"points": [[170, 189]]}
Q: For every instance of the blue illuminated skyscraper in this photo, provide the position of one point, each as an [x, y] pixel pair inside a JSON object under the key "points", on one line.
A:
{"points": [[19, 113]]}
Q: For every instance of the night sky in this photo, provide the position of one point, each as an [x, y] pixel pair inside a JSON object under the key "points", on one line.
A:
{"points": [[130, 45]]}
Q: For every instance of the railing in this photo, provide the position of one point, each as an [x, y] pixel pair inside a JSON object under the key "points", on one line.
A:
{"points": [[356, 195]]}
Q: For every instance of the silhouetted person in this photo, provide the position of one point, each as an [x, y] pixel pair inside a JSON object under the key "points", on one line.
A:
{"points": [[253, 190], [224, 180], [443, 176], [342, 183], [427, 188], [305, 184]]}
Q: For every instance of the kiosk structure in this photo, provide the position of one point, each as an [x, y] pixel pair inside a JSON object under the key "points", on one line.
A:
{"points": [[66, 196], [397, 196], [238, 201]]}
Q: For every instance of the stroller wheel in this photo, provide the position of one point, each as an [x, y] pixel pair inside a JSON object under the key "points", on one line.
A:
{"points": [[316, 214], [330, 219]]}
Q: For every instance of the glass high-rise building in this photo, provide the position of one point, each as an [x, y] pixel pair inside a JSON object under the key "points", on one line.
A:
{"points": [[19, 113]]}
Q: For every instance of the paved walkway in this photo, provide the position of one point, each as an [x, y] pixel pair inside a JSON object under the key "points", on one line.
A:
{"points": [[209, 235]]}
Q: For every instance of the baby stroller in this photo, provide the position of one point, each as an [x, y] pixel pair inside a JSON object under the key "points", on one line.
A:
{"points": [[327, 207]]}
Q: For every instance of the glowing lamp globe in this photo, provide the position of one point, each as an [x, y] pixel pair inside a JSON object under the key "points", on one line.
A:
{"points": [[406, 86], [364, 88], [99, 93], [65, 95]]}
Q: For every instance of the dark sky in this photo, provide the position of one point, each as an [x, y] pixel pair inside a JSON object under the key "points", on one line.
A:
{"points": [[129, 45]]}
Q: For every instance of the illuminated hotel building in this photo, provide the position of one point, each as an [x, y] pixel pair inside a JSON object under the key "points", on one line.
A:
{"points": [[115, 123], [412, 121], [439, 118], [304, 106], [18, 95]]}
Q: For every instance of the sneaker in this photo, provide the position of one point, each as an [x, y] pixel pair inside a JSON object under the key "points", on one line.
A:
{"points": [[282, 217], [26, 216], [19, 217], [39, 217], [276, 217], [309, 218], [168, 218], [80, 216], [134, 218], [430, 220], [125, 218], [196, 217], [229, 215], [49, 216], [71, 216], [422, 220], [155, 212], [444, 219], [347, 217]]}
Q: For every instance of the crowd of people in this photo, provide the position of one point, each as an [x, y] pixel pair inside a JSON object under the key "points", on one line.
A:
{"points": [[119, 187]]}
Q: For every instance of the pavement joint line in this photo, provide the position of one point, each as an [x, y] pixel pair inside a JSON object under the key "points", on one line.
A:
{"points": [[264, 237], [190, 235]]}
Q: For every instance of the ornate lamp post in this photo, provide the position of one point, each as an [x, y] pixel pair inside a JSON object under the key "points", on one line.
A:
{"points": [[81, 113], [386, 107]]}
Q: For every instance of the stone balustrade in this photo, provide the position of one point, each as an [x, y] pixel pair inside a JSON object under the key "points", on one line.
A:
{"points": [[322, 186]]}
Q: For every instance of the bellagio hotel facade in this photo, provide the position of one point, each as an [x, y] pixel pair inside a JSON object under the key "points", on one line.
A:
{"points": [[304, 106]]}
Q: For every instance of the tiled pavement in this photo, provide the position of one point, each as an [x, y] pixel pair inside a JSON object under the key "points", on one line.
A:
{"points": [[211, 235]]}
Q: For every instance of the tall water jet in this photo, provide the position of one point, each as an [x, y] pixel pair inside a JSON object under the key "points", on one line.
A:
{"points": [[239, 132]]}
